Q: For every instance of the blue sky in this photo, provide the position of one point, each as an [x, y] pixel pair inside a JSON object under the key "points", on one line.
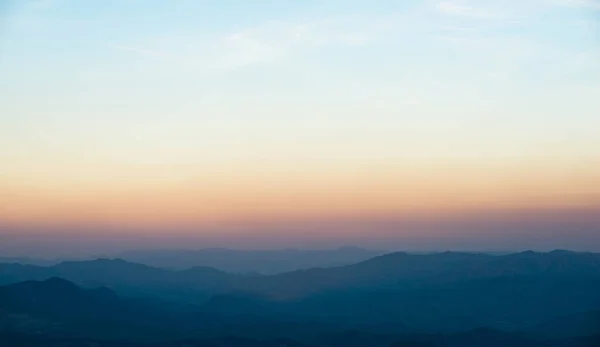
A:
{"points": [[115, 94], [307, 70]]}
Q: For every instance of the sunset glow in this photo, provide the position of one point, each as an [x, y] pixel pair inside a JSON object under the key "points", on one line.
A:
{"points": [[183, 115]]}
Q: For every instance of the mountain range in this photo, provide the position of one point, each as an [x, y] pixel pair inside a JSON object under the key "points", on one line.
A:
{"points": [[266, 262], [547, 297], [56, 312], [236, 261]]}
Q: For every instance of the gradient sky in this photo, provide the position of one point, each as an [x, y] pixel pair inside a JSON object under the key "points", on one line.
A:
{"points": [[323, 122]]}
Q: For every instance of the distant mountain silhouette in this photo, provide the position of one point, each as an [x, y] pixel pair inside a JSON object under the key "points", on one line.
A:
{"points": [[58, 308], [390, 270], [56, 297], [128, 278], [402, 269], [28, 261], [398, 292], [250, 261], [438, 292]]}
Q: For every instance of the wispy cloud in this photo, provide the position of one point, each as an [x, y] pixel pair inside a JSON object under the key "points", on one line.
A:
{"points": [[271, 41], [484, 39]]}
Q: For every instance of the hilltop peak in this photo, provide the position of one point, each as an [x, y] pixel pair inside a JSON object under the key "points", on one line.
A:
{"points": [[59, 282]]}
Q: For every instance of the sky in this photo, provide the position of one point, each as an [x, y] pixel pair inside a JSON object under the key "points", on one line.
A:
{"points": [[424, 124]]}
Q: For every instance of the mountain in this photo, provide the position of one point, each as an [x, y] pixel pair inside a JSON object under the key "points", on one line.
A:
{"points": [[445, 299], [196, 284], [394, 270], [577, 324], [58, 307], [398, 292], [56, 297], [507, 303], [28, 261], [445, 292], [405, 270], [250, 261]]}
